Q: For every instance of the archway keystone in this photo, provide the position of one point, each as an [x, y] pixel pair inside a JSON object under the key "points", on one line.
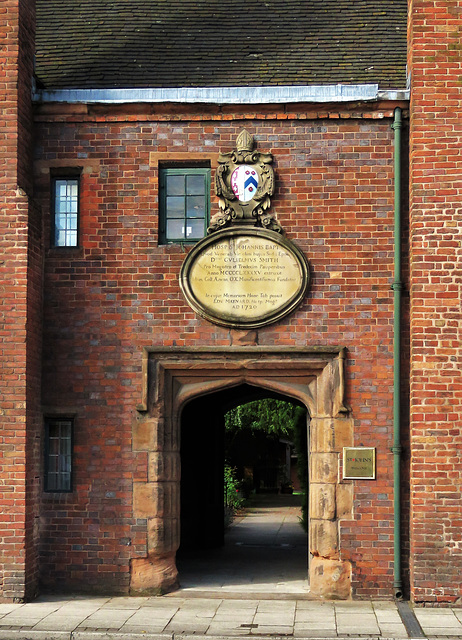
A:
{"points": [[174, 376]]}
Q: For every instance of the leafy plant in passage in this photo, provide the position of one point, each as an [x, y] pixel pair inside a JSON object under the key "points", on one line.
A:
{"points": [[271, 419], [233, 497]]}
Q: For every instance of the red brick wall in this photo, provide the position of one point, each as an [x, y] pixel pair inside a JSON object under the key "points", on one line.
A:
{"points": [[20, 305], [436, 357], [120, 292]]}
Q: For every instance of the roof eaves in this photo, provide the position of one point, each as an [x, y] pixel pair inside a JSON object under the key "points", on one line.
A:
{"points": [[226, 95]]}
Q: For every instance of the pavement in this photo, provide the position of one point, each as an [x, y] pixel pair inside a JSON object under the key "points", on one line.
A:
{"points": [[254, 587], [265, 553]]}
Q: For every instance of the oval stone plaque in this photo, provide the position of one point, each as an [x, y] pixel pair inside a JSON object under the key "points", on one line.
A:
{"points": [[244, 278]]}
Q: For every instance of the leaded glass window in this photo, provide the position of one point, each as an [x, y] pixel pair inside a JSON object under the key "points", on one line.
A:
{"points": [[66, 211], [58, 454], [184, 204]]}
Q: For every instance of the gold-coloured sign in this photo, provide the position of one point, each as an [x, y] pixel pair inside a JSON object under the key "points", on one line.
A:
{"points": [[358, 463], [244, 277]]}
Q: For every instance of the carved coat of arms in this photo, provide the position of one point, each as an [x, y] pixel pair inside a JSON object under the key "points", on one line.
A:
{"points": [[244, 186]]}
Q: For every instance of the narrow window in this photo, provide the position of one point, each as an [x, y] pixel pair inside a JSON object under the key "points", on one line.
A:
{"points": [[58, 454], [184, 204], [65, 200]]}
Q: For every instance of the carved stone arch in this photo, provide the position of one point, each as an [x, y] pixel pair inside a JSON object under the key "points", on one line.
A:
{"points": [[172, 378], [192, 391]]}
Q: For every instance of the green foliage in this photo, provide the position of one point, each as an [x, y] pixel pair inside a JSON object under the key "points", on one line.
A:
{"points": [[269, 415], [270, 419], [233, 498]]}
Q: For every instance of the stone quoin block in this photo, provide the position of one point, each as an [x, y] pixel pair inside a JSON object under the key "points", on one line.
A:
{"points": [[322, 434], [322, 501], [344, 500], [159, 498], [330, 578], [163, 535], [164, 467], [324, 538], [324, 467]]}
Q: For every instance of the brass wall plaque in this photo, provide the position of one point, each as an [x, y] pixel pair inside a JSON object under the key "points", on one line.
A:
{"points": [[244, 277], [358, 463]]}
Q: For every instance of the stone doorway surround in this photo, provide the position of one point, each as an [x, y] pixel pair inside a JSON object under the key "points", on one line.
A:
{"points": [[174, 376]]}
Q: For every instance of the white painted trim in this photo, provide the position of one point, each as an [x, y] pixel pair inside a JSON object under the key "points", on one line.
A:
{"points": [[227, 95]]}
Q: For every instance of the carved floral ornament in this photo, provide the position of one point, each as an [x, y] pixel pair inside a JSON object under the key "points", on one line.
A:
{"points": [[244, 185]]}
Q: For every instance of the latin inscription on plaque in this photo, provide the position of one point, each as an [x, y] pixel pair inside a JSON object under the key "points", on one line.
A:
{"points": [[244, 278], [358, 463]]}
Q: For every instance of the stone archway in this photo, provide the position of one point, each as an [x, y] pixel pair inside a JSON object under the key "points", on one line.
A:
{"points": [[171, 378], [204, 450]]}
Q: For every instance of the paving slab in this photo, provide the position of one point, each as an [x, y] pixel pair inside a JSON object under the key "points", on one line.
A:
{"points": [[326, 623], [393, 630], [8, 608], [20, 621], [428, 615], [145, 630], [228, 618], [275, 630], [385, 616], [361, 627], [62, 624], [178, 628], [353, 606], [235, 605], [310, 617], [441, 632], [237, 614], [225, 632], [277, 621], [124, 603], [315, 633], [438, 622], [96, 635], [36, 635]]}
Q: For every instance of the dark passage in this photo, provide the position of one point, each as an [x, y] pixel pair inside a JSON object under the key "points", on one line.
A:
{"points": [[265, 548], [265, 552]]}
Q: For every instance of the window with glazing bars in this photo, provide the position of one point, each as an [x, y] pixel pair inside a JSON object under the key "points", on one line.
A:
{"points": [[65, 198], [184, 203], [58, 454]]}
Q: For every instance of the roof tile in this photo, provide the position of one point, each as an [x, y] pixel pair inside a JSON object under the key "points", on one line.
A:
{"points": [[196, 43]]}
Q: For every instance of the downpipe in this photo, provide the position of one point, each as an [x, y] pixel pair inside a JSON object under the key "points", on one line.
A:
{"points": [[397, 287]]}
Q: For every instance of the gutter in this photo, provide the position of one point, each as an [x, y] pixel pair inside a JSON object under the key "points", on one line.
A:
{"points": [[227, 95], [397, 287]]}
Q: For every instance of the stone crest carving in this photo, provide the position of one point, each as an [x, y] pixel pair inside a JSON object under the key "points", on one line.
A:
{"points": [[244, 185]]}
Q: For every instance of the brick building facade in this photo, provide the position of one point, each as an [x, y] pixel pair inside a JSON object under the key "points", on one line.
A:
{"points": [[102, 353]]}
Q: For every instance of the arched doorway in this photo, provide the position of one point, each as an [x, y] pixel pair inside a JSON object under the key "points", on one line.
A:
{"points": [[172, 378], [266, 549]]}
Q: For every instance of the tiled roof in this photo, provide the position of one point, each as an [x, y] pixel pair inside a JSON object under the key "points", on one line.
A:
{"points": [[175, 43]]}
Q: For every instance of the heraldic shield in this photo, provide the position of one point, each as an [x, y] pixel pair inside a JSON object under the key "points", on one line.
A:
{"points": [[244, 186]]}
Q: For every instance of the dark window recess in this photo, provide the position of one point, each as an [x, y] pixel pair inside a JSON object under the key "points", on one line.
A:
{"points": [[58, 454], [184, 204], [65, 203]]}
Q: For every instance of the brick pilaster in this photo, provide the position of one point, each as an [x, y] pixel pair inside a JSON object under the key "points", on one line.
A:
{"points": [[20, 303], [436, 259]]}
